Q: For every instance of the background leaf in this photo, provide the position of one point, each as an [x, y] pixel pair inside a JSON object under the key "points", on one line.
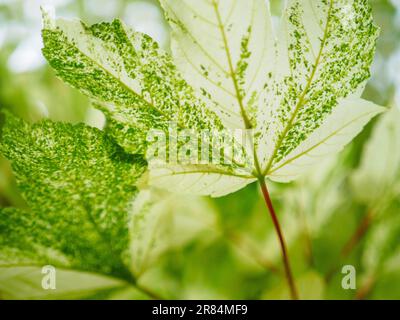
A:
{"points": [[380, 163]]}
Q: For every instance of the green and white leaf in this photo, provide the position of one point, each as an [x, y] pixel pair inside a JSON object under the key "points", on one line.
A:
{"points": [[324, 53], [79, 187], [129, 78], [85, 215], [212, 180], [298, 88], [133, 81], [313, 80], [225, 50], [344, 123]]}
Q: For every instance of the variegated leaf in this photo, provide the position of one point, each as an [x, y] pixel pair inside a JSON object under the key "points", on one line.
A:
{"points": [[298, 88], [126, 74], [340, 127], [79, 186], [224, 49], [308, 87], [325, 49], [212, 180]]}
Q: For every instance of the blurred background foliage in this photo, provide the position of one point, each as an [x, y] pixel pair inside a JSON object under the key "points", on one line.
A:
{"points": [[345, 211]]}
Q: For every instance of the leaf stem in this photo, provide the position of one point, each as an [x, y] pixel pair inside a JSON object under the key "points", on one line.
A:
{"points": [[148, 292], [358, 235], [258, 169], [366, 289], [285, 256]]}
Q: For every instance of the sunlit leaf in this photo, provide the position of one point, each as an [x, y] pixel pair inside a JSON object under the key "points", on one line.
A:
{"points": [[298, 88], [126, 74], [307, 101], [225, 50]]}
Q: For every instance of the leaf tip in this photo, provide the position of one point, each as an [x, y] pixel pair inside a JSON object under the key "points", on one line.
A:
{"points": [[48, 16]]}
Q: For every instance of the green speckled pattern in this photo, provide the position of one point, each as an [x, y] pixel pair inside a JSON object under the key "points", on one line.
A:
{"points": [[324, 52], [296, 89], [129, 78], [79, 187]]}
